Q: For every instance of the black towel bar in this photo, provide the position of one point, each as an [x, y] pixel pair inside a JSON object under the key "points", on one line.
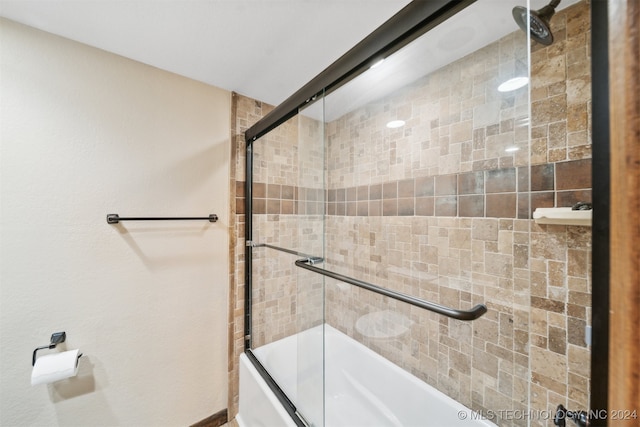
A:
{"points": [[115, 218]]}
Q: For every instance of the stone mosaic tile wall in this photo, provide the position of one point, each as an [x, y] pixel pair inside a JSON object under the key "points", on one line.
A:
{"points": [[286, 300], [453, 228], [561, 256], [561, 89], [535, 283]]}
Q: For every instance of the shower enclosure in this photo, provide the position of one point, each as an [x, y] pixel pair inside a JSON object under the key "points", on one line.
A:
{"points": [[390, 200]]}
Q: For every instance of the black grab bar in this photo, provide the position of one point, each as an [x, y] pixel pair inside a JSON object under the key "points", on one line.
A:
{"points": [[453, 313]]}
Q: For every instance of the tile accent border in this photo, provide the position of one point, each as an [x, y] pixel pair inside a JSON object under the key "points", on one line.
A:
{"points": [[513, 192]]}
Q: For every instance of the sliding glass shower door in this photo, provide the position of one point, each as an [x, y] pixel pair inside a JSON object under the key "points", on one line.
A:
{"points": [[395, 209]]}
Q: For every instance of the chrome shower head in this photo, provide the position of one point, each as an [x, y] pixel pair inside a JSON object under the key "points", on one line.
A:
{"points": [[538, 21]]}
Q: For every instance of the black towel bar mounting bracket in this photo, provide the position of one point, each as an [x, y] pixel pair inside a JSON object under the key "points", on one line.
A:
{"points": [[115, 218]]}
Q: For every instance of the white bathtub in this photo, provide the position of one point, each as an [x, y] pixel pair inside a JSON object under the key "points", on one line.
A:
{"points": [[361, 388]]}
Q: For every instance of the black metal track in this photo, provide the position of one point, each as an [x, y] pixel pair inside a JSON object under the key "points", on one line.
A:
{"points": [[248, 254]]}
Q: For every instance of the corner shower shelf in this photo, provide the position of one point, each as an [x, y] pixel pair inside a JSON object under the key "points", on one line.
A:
{"points": [[562, 216]]}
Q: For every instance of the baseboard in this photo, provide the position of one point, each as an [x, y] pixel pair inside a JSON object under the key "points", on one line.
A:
{"points": [[216, 420]]}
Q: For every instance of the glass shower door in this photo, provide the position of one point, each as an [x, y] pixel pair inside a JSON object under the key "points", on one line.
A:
{"points": [[421, 176]]}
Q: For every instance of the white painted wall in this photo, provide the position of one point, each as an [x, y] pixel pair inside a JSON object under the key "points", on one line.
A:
{"points": [[85, 133]]}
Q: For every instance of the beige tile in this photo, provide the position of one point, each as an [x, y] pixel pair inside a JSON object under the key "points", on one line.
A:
{"points": [[548, 72]]}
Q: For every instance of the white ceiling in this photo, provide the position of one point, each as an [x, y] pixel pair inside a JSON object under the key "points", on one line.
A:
{"points": [[265, 49]]}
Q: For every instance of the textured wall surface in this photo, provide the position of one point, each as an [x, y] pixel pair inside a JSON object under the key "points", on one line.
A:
{"points": [[85, 134]]}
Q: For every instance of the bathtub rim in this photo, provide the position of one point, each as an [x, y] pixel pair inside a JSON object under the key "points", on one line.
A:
{"points": [[286, 403]]}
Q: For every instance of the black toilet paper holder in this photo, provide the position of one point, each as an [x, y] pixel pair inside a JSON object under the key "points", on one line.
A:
{"points": [[56, 338]]}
